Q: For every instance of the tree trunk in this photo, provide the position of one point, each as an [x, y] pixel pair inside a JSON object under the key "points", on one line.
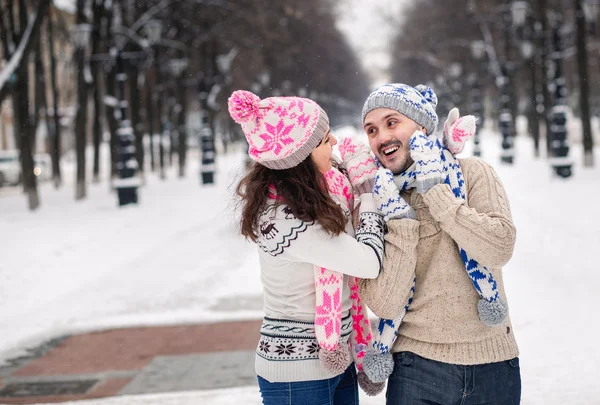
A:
{"points": [[55, 151], [81, 117], [544, 45], [98, 93], [150, 119], [23, 137], [584, 92], [182, 130], [160, 90], [534, 123], [24, 124], [97, 129], [24, 39], [80, 125]]}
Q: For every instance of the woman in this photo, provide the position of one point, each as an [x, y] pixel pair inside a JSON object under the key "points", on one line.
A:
{"points": [[300, 230]]}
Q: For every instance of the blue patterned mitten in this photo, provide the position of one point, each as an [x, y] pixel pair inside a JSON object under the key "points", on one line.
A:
{"points": [[387, 197], [426, 154]]}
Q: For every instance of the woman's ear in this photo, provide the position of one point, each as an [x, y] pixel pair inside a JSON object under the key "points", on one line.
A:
{"points": [[424, 130]]}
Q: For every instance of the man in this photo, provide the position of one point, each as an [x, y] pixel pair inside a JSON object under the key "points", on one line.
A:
{"points": [[449, 234]]}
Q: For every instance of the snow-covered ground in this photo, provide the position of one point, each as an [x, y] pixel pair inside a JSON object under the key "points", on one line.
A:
{"points": [[88, 265]]}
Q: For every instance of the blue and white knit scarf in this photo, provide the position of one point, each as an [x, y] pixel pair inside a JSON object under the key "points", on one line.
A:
{"points": [[492, 311]]}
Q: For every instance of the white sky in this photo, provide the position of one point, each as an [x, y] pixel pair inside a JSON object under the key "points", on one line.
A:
{"points": [[369, 25], [65, 4]]}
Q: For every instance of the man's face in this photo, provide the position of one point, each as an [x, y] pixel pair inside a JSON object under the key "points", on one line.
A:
{"points": [[389, 132]]}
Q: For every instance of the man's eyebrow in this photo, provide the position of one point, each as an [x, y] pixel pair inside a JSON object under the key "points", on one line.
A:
{"points": [[394, 114]]}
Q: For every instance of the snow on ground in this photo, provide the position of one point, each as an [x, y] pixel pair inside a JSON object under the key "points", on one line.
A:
{"points": [[176, 257], [230, 396], [85, 265]]}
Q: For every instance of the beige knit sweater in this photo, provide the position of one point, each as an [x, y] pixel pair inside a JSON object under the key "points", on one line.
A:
{"points": [[442, 322]]}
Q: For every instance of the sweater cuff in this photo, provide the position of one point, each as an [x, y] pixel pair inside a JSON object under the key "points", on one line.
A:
{"points": [[404, 228], [441, 201]]}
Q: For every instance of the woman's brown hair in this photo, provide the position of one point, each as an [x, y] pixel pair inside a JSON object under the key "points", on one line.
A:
{"points": [[302, 188]]}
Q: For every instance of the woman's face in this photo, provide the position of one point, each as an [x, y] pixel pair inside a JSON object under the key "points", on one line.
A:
{"points": [[321, 155]]}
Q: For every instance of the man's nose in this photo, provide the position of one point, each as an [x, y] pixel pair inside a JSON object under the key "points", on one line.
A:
{"points": [[385, 135]]}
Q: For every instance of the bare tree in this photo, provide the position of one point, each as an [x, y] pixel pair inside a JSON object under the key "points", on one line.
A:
{"points": [[55, 147], [82, 107], [19, 29]]}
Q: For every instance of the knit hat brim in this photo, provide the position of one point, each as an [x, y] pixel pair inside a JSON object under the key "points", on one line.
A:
{"points": [[388, 101], [412, 103], [294, 159]]}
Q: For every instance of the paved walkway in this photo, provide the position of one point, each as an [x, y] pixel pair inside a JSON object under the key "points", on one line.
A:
{"points": [[133, 361]]}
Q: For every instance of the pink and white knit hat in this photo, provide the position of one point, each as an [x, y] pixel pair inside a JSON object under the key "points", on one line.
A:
{"points": [[281, 131]]}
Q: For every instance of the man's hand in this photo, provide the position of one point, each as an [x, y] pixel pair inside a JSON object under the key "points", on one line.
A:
{"points": [[458, 130], [387, 197], [426, 155], [359, 164]]}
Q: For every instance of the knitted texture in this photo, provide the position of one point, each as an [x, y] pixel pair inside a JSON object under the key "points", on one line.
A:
{"points": [[417, 103], [427, 162], [457, 131], [360, 165], [377, 363], [388, 199], [340, 189], [281, 131], [481, 278], [328, 285], [369, 387], [328, 288]]}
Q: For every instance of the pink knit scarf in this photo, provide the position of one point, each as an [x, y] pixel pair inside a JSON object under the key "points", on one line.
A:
{"points": [[329, 285]]}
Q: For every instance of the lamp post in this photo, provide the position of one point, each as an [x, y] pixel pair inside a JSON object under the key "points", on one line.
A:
{"points": [[560, 161], [127, 183]]}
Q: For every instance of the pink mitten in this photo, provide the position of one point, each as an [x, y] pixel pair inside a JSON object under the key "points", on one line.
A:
{"points": [[457, 130], [360, 165]]}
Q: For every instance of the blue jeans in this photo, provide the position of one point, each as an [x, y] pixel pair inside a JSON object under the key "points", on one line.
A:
{"points": [[339, 390], [417, 380]]}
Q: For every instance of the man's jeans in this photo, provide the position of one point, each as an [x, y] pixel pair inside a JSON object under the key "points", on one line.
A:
{"points": [[417, 380], [340, 390]]}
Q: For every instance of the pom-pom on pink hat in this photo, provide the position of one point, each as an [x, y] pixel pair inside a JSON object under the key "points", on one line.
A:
{"points": [[281, 131]]}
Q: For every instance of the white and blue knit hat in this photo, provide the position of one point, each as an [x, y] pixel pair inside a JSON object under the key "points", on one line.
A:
{"points": [[417, 103]]}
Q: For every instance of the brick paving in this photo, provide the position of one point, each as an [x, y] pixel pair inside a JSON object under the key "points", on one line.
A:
{"points": [[134, 360]]}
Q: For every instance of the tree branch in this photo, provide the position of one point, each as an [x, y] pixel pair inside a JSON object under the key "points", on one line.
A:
{"points": [[27, 41]]}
